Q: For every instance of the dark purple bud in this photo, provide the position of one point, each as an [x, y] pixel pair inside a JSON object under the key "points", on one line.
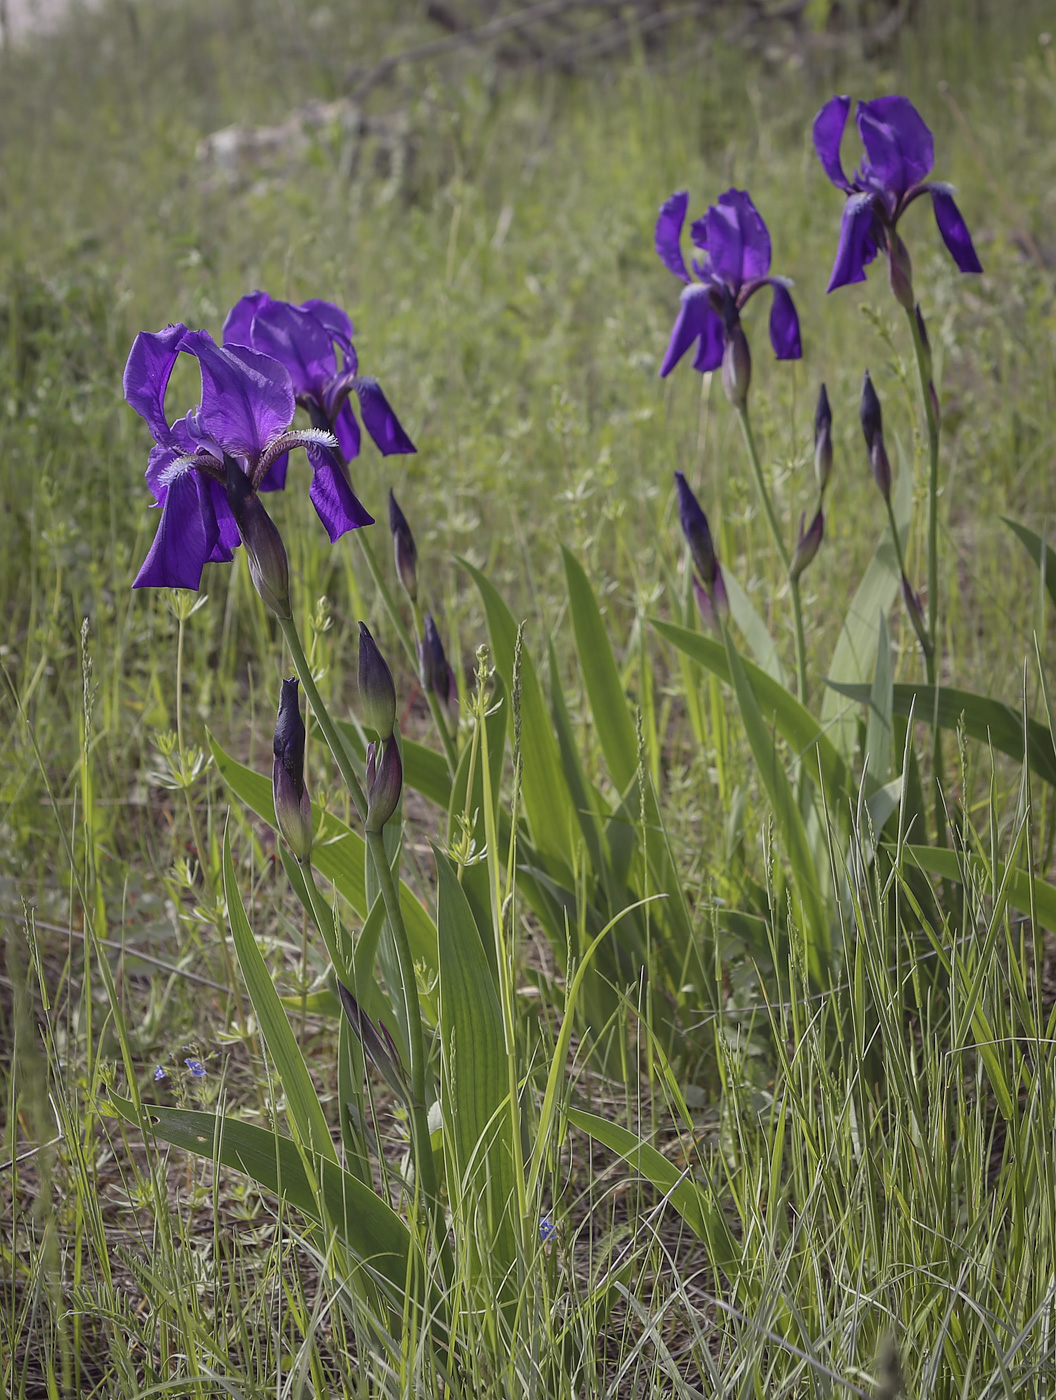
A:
{"points": [[384, 783], [265, 552], [873, 428], [808, 546], [404, 548], [915, 609], [377, 1043], [377, 690], [736, 357], [900, 269], [695, 528], [437, 673], [293, 811], [823, 440]]}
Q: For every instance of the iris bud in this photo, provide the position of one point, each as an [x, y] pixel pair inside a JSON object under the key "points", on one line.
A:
{"points": [[377, 691], [293, 811], [265, 552], [873, 428], [404, 548], [736, 357], [377, 1043], [915, 609], [695, 528], [808, 546], [823, 440], [437, 673], [384, 783]]}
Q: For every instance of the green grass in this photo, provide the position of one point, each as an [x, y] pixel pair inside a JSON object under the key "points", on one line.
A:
{"points": [[885, 1155]]}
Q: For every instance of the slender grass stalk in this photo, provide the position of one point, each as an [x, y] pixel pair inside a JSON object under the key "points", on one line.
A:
{"points": [[782, 549]]}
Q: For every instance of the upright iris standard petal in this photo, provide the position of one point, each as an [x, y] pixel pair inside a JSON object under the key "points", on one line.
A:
{"points": [[146, 378], [297, 340], [238, 323], [784, 323], [897, 141], [380, 421], [187, 534], [334, 320], [953, 228], [668, 237], [738, 242], [695, 312], [247, 398], [829, 126], [857, 247], [336, 504], [736, 263]]}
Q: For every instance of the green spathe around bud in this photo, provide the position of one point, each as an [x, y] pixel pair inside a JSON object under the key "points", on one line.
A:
{"points": [[293, 811], [808, 546], [265, 552], [900, 268], [384, 783], [377, 691]]}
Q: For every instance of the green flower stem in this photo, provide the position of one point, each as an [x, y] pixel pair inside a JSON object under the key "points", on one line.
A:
{"points": [[408, 644], [931, 666], [322, 715], [782, 549], [326, 922], [425, 1167]]}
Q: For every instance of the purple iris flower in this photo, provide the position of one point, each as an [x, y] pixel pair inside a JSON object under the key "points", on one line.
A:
{"points": [[899, 155], [246, 408], [306, 340], [736, 248]]}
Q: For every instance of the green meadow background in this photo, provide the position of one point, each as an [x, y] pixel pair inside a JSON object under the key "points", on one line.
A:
{"points": [[491, 233]]}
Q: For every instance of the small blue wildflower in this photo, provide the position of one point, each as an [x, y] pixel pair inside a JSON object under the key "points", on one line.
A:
{"points": [[547, 1229], [159, 1073], [196, 1067]]}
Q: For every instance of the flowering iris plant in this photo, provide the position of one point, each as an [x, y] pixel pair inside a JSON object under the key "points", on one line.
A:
{"points": [[306, 340], [243, 424], [899, 155], [735, 265]]}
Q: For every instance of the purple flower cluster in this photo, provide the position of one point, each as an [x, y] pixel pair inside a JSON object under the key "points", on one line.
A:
{"points": [[899, 154], [735, 244], [275, 356]]}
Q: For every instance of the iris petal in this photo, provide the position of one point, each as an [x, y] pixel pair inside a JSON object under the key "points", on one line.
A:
{"points": [[668, 237], [379, 420], [784, 323], [147, 372], [857, 247], [334, 321], [247, 397], [712, 343], [346, 430], [828, 132], [953, 228], [895, 134], [739, 242], [335, 502], [299, 341], [187, 535], [238, 323], [694, 313]]}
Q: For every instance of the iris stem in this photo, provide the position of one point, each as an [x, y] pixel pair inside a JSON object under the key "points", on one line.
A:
{"points": [[425, 1167], [782, 549], [322, 715], [923, 357]]}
